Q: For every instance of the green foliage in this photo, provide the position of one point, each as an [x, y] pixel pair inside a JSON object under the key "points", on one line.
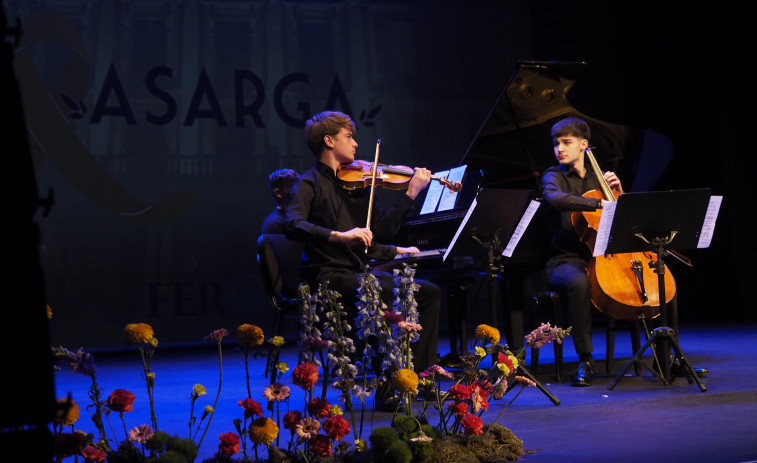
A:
{"points": [[173, 456], [382, 438], [184, 446], [406, 426], [158, 441]]}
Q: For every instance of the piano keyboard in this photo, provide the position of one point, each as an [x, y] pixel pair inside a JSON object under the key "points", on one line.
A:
{"points": [[428, 253]]}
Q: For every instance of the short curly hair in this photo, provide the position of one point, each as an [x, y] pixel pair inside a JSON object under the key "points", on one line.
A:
{"points": [[325, 123]]}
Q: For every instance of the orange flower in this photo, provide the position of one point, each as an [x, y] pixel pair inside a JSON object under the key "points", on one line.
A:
{"points": [[67, 413], [487, 333], [137, 333], [249, 336], [305, 375]]}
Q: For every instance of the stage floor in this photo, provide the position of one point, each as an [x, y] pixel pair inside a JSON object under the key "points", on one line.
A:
{"points": [[639, 420]]}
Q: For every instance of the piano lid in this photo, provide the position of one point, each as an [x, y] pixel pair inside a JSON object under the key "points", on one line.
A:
{"points": [[513, 145]]}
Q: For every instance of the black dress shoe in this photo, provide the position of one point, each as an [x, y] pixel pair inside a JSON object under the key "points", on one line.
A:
{"points": [[582, 377]]}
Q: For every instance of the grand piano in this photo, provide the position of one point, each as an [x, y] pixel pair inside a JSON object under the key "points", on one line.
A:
{"points": [[510, 150]]}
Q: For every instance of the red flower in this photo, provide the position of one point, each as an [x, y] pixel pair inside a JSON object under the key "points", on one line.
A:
{"points": [[504, 359], [67, 444], [321, 445], [336, 427], [459, 392], [229, 444], [472, 424], [460, 409], [319, 408], [251, 407], [92, 454], [291, 418], [392, 318], [305, 375], [483, 387], [120, 401]]}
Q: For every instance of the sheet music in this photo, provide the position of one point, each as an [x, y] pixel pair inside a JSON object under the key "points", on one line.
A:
{"points": [[459, 229], [708, 228], [435, 190], [605, 224], [448, 199], [521, 228]]}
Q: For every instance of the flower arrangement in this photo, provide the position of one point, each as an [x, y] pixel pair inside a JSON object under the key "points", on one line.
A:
{"points": [[447, 426]]}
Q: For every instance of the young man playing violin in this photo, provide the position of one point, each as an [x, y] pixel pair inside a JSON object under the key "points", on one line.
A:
{"points": [[331, 220], [562, 188]]}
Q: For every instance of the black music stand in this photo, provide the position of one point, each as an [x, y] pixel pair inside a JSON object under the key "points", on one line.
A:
{"points": [[492, 220], [651, 221]]}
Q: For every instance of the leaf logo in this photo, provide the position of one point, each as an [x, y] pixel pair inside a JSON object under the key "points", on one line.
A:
{"points": [[79, 110], [367, 120]]}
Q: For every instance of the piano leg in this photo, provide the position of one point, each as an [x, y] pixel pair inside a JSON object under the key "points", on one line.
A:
{"points": [[457, 318]]}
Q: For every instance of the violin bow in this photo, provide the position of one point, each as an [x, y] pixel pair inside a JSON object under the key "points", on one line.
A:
{"points": [[374, 170]]}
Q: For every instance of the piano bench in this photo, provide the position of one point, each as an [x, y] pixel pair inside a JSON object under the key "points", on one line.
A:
{"points": [[547, 303]]}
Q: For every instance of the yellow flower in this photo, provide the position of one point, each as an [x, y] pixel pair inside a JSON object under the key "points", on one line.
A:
{"points": [[138, 333], [277, 341], [150, 378], [154, 342], [283, 367], [513, 359], [406, 380], [49, 311], [361, 445], [208, 410], [480, 351], [249, 336], [68, 412], [336, 410], [487, 333], [263, 431], [198, 390], [504, 368]]}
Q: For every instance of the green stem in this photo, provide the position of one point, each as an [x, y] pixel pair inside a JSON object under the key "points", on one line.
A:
{"points": [[247, 370], [508, 406], [218, 394]]}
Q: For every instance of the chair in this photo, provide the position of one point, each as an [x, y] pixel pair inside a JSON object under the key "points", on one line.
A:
{"points": [[279, 260]]}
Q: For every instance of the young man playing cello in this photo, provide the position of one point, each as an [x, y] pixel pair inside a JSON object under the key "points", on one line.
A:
{"points": [[332, 222], [562, 188]]}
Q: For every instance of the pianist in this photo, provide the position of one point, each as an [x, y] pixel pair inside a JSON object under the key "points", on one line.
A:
{"points": [[330, 221]]}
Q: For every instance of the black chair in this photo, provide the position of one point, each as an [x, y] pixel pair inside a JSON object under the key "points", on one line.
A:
{"points": [[279, 260]]}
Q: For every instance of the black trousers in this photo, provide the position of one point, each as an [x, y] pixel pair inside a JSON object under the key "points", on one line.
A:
{"points": [[569, 279], [426, 348]]}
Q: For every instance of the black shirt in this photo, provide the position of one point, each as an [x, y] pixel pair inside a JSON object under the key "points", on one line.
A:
{"points": [[320, 205], [274, 224], [562, 188]]}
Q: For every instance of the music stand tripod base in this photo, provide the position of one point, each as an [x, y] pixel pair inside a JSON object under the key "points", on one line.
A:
{"points": [[662, 333]]}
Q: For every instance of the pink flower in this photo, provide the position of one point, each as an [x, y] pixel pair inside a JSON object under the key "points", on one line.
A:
{"points": [[276, 392], [409, 326], [216, 335], [436, 369], [307, 428], [141, 434]]}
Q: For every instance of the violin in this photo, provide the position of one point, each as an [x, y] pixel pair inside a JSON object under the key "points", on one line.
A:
{"points": [[358, 175]]}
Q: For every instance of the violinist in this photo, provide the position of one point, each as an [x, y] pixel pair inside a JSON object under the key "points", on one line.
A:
{"points": [[562, 187], [331, 221]]}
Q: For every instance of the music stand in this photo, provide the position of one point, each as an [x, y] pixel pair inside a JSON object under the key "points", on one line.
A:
{"points": [[643, 222], [491, 220]]}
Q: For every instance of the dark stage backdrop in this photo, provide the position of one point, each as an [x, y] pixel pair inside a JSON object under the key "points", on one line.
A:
{"points": [[156, 123]]}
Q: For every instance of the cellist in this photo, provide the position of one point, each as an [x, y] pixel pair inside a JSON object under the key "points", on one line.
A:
{"points": [[562, 187]]}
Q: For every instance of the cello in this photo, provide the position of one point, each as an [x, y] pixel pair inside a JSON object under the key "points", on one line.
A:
{"points": [[624, 286]]}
